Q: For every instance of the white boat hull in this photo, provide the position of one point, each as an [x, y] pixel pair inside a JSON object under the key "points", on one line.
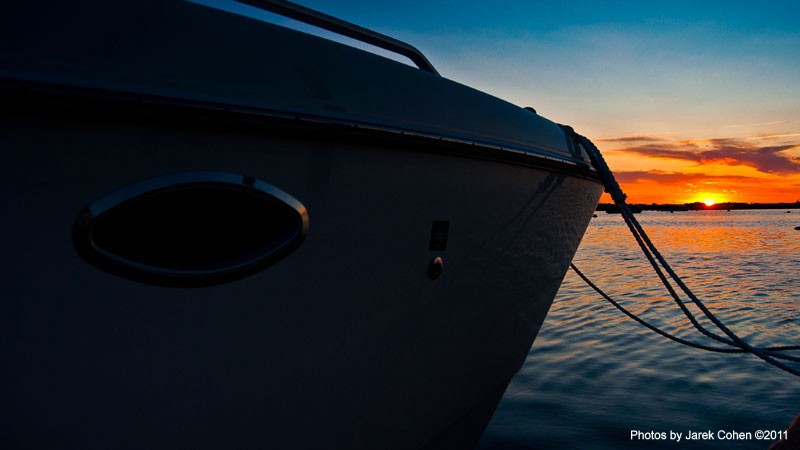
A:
{"points": [[348, 336], [348, 339]]}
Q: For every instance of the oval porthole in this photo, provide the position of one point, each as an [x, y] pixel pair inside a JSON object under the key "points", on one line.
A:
{"points": [[190, 229]]}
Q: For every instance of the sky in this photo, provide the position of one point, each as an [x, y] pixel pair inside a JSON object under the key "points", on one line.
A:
{"points": [[688, 101]]}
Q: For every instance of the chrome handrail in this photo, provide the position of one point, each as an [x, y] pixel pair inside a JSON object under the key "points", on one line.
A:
{"points": [[330, 23]]}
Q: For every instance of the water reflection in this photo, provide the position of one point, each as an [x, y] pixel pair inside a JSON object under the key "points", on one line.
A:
{"points": [[593, 374]]}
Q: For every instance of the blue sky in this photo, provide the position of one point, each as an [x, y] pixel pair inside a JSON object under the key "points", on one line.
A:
{"points": [[691, 76], [688, 61]]}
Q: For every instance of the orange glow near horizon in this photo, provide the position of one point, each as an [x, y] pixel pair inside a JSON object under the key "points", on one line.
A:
{"points": [[656, 169], [709, 198]]}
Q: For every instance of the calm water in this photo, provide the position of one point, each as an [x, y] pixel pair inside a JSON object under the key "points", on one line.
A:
{"points": [[594, 375]]}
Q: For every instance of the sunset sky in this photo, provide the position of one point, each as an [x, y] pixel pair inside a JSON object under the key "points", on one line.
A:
{"points": [[687, 100]]}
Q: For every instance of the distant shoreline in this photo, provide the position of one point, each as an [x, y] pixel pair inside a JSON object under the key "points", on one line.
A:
{"points": [[699, 206]]}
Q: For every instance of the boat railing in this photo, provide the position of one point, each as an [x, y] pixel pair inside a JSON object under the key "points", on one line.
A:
{"points": [[335, 25]]}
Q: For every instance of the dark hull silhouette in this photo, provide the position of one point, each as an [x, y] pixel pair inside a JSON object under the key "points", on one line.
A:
{"points": [[224, 234]]}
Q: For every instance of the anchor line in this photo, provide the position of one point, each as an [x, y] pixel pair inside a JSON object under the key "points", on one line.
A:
{"points": [[657, 261]]}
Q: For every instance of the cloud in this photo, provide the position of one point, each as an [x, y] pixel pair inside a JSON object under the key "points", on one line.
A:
{"points": [[775, 122], [733, 152], [668, 178], [631, 139], [773, 136]]}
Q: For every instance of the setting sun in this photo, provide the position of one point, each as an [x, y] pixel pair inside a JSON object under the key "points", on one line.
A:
{"points": [[709, 202]]}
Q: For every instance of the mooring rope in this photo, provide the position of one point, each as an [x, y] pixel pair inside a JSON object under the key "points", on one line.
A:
{"points": [[657, 261], [668, 335]]}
